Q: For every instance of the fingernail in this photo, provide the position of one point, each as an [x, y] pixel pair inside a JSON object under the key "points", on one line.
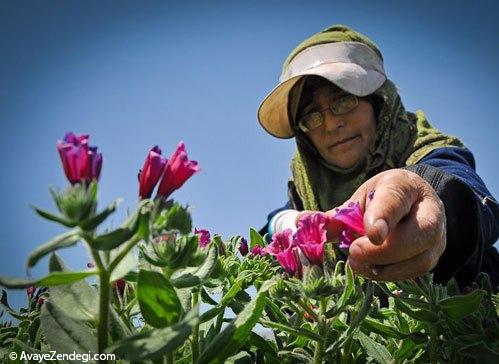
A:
{"points": [[377, 269], [382, 228]]}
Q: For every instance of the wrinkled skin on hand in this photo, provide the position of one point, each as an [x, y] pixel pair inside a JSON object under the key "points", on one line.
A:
{"points": [[405, 227]]}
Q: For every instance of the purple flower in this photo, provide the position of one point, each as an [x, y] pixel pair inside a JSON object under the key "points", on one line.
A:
{"points": [[204, 237], [243, 247], [151, 172], [257, 250], [80, 161], [178, 170], [286, 253], [311, 236], [351, 221]]}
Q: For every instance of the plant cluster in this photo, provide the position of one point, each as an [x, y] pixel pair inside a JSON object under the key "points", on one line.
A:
{"points": [[166, 293]]}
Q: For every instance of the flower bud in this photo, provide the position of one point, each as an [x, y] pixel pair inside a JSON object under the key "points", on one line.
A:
{"points": [[177, 171], [151, 172], [80, 161]]}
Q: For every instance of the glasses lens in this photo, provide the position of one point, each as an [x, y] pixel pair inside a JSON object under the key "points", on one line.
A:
{"points": [[344, 104], [311, 121]]}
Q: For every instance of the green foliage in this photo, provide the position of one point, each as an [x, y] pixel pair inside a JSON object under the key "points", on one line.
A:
{"points": [[159, 303], [160, 297]]}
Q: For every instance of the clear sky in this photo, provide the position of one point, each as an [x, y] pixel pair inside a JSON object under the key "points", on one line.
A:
{"points": [[133, 74]]}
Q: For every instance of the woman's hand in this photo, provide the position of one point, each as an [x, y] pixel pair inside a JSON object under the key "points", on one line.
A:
{"points": [[405, 227]]}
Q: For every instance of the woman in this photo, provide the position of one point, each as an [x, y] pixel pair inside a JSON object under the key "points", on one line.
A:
{"points": [[430, 210]]}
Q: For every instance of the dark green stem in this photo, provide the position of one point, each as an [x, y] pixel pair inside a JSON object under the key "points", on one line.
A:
{"points": [[102, 331], [195, 330], [102, 328], [170, 359], [220, 320], [433, 344]]}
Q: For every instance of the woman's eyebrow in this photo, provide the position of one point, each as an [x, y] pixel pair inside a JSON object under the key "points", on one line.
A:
{"points": [[309, 108]]}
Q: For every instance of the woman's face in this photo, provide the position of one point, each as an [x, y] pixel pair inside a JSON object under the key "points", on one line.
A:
{"points": [[342, 140]]}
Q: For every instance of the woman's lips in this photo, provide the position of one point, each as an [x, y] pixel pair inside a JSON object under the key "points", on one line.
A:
{"points": [[343, 141]]}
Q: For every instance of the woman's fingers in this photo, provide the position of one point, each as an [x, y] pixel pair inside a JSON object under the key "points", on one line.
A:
{"points": [[418, 232], [411, 268], [396, 193]]}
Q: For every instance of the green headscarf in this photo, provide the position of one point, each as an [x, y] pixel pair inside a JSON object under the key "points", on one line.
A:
{"points": [[402, 138]]}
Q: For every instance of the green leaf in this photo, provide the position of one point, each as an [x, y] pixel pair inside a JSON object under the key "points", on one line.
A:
{"points": [[5, 305], [234, 289], [452, 287], [230, 339], [495, 301], [25, 347], [65, 240], [94, 221], [53, 279], [207, 299], [77, 300], [125, 232], [480, 352], [211, 313], [371, 325], [158, 300], [296, 331], [375, 350], [418, 314], [274, 312], [127, 264], [55, 218], [261, 343], [192, 277], [178, 218], [347, 293], [64, 334], [356, 321], [256, 239], [240, 358], [154, 343], [457, 307]]}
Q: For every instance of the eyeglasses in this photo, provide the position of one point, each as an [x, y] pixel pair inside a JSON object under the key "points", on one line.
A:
{"points": [[340, 106]]}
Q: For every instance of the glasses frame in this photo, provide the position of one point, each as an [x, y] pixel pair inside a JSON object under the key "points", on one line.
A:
{"points": [[331, 108]]}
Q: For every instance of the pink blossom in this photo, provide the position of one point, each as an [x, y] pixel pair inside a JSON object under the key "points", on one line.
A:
{"points": [[151, 172], [178, 170], [257, 250], [351, 219], [311, 236], [80, 161], [204, 237], [286, 253]]}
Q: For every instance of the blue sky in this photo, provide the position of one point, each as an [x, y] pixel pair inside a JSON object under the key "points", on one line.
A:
{"points": [[133, 74]]}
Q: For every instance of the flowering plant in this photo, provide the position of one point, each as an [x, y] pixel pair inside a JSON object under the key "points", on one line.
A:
{"points": [[167, 293]]}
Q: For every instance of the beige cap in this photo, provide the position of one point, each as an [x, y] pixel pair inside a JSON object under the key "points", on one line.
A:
{"points": [[352, 66]]}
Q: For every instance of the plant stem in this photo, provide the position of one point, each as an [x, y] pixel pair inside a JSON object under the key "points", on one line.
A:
{"points": [[195, 330], [319, 347], [170, 359], [102, 331], [220, 320], [433, 344]]}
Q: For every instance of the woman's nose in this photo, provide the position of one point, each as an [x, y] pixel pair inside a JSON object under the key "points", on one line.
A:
{"points": [[332, 121]]}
